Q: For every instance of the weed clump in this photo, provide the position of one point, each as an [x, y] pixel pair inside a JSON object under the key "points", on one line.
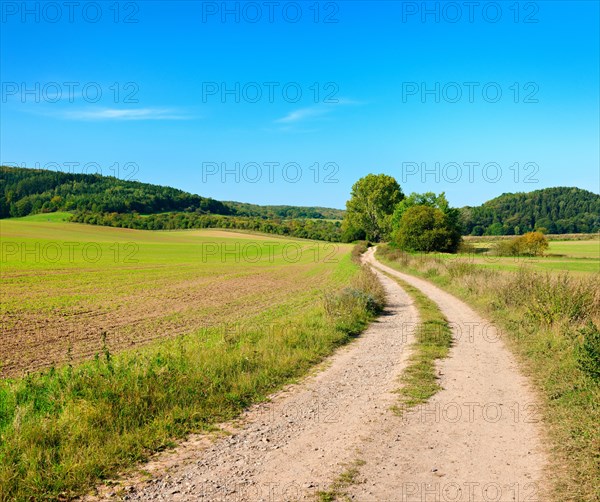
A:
{"points": [[352, 307]]}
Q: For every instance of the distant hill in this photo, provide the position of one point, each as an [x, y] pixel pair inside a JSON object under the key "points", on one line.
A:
{"points": [[31, 191], [558, 210]]}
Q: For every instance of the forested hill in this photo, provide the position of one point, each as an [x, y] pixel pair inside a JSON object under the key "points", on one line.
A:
{"points": [[27, 191], [557, 210]]}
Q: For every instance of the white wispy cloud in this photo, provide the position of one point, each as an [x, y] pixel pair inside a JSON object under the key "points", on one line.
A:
{"points": [[125, 114], [302, 114], [315, 111]]}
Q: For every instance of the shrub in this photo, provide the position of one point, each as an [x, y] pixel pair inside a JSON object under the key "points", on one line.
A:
{"points": [[530, 244], [358, 249], [588, 353], [533, 243], [507, 247], [350, 308]]}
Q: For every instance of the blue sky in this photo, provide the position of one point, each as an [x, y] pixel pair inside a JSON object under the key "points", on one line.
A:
{"points": [[503, 98]]}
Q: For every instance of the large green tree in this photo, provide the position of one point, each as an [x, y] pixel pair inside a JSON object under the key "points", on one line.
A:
{"points": [[372, 204]]}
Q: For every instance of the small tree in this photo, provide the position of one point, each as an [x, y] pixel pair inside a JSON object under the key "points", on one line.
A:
{"points": [[426, 228], [477, 230], [533, 243]]}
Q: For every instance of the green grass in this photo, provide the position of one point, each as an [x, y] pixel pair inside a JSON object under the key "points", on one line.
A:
{"points": [[579, 256], [433, 340], [56, 217], [76, 279], [577, 249], [540, 264], [71, 425], [552, 324]]}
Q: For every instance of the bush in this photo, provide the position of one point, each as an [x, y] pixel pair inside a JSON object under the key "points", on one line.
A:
{"points": [[425, 228], [358, 249], [507, 247], [588, 353], [529, 244], [352, 307], [368, 282], [533, 243]]}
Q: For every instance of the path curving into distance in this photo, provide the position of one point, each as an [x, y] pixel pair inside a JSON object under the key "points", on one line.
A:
{"points": [[478, 439]]}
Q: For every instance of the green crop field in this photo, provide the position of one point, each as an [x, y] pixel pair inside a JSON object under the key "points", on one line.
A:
{"points": [[66, 284], [576, 256]]}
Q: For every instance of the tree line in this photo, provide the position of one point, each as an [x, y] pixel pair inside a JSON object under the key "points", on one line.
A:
{"points": [[305, 228], [377, 210]]}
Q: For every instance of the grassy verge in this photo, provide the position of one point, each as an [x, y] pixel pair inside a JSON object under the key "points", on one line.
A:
{"points": [[64, 429], [552, 324], [433, 341]]}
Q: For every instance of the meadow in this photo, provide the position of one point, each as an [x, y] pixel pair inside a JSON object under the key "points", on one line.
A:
{"points": [[117, 342], [579, 254]]}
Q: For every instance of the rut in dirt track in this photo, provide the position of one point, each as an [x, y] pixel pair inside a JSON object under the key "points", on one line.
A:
{"points": [[477, 439]]}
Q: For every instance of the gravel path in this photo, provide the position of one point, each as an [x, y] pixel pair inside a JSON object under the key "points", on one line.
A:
{"points": [[476, 440]]}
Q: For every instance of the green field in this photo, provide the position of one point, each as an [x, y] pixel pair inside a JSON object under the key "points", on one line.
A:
{"points": [[576, 249], [577, 256], [74, 282], [46, 217]]}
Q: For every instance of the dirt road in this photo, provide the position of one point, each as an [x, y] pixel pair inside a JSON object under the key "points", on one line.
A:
{"points": [[478, 439]]}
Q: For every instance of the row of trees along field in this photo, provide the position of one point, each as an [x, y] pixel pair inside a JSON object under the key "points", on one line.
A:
{"points": [[324, 230], [378, 211]]}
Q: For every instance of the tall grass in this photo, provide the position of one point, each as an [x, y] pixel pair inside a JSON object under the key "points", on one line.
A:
{"points": [[64, 429], [552, 323]]}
